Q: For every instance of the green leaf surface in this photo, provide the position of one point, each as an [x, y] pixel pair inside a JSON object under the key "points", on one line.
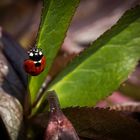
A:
{"points": [[104, 66], [55, 21]]}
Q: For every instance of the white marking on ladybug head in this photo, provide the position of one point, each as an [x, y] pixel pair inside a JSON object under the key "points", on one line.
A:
{"points": [[40, 53], [36, 54], [31, 54]]}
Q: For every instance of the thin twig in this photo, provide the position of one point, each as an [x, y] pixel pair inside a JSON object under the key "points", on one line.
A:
{"points": [[42, 90]]}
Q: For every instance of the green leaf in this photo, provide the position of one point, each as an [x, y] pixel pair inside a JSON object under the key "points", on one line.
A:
{"points": [[46, 4], [103, 67], [55, 21]]}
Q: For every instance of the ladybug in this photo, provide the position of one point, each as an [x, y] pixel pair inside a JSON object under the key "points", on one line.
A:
{"points": [[36, 62]]}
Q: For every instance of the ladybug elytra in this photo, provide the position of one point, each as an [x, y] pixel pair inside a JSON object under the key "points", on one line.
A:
{"points": [[36, 62]]}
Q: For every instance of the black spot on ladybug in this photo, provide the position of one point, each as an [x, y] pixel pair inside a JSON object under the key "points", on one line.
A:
{"points": [[38, 64]]}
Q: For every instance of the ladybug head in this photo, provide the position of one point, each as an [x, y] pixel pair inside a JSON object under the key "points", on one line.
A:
{"points": [[35, 54]]}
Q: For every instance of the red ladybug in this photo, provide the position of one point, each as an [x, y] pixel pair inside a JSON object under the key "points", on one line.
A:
{"points": [[36, 62]]}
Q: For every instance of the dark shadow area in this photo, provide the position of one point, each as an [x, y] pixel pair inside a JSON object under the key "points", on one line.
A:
{"points": [[15, 81]]}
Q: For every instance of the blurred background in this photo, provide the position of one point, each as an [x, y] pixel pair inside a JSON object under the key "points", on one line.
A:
{"points": [[21, 19]]}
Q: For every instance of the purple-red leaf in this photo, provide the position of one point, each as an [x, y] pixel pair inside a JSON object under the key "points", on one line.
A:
{"points": [[98, 124], [103, 124], [59, 127]]}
